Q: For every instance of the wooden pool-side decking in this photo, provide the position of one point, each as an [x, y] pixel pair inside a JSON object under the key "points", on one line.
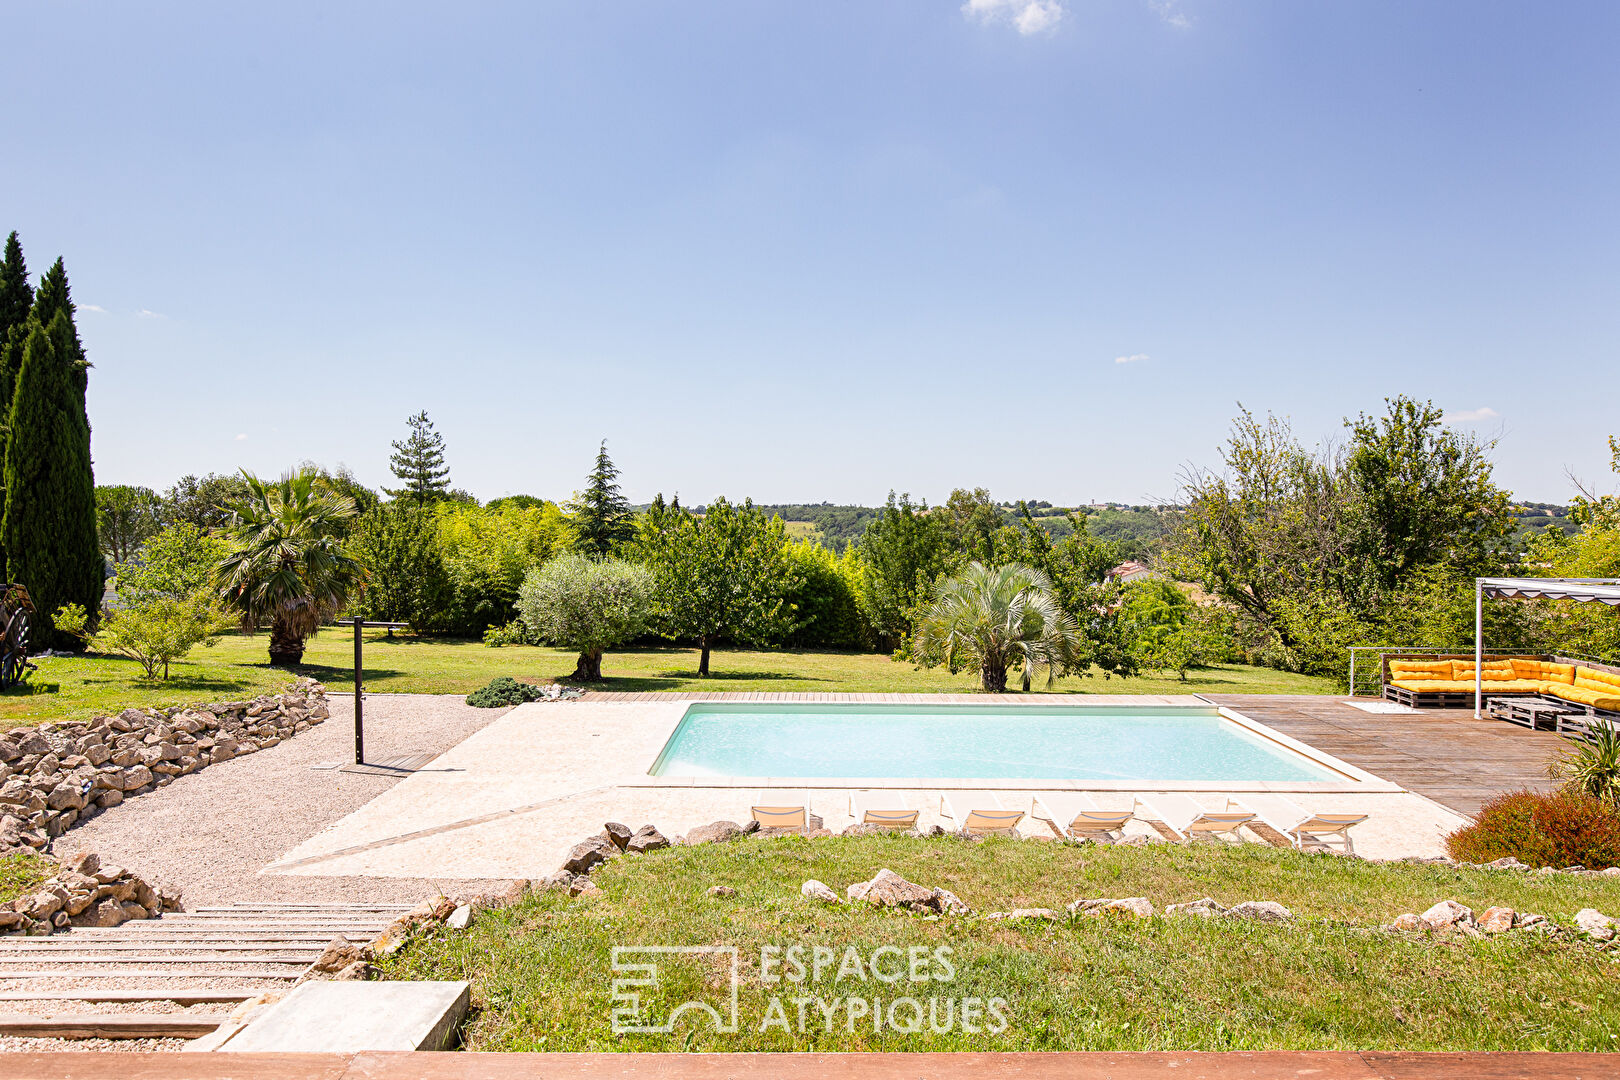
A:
{"points": [[1443, 754]]}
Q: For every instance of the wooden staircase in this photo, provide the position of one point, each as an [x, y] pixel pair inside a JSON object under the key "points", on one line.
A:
{"points": [[214, 955]]}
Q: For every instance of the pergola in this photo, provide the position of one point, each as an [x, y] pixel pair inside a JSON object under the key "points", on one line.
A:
{"points": [[1580, 590]]}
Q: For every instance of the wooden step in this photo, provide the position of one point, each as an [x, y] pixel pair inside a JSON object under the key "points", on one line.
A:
{"points": [[140, 973], [67, 962], [110, 1025], [179, 997]]}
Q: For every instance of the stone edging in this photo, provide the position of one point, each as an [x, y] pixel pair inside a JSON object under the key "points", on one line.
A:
{"points": [[83, 892], [55, 775]]}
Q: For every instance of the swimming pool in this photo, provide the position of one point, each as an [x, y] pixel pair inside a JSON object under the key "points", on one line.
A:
{"points": [[859, 741]]}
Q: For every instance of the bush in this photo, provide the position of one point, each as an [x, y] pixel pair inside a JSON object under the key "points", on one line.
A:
{"points": [[156, 630], [503, 690], [1561, 829], [513, 633]]}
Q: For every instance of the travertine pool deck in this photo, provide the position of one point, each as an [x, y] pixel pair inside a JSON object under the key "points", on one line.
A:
{"points": [[511, 799]]}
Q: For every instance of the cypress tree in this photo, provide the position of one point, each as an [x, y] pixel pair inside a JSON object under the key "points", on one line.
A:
{"points": [[601, 514], [49, 527], [16, 301]]}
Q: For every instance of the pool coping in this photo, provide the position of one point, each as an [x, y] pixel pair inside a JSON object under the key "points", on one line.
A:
{"points": [[1356, 780]]}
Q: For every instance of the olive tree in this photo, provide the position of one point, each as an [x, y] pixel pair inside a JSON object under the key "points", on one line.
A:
{"points": [[586, 604]]}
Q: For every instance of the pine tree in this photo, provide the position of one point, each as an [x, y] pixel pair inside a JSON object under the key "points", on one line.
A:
{"points": [[49, 528], [601, 514], [419, 463]]}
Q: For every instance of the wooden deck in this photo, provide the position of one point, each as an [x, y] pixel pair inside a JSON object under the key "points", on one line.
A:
{"points": [[1444, 754], [1365, 1065]]}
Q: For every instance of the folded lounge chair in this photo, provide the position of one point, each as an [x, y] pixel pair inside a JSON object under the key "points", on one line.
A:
{"points": [[1187, 819], [778, 810], [1073, 813], [984, 813], [885, 809], [1297, 823]]}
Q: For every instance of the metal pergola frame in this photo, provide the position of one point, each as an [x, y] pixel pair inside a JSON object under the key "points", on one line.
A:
{"points": [[1580, 590]]}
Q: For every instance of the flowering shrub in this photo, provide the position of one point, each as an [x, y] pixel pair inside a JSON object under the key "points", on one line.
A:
{"points": [[1560, 829]]}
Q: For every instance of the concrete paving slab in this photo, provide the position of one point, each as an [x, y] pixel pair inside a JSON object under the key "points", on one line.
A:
{"points": [[349, 1017]]}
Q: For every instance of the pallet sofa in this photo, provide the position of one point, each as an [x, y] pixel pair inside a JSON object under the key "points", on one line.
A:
{"points": [[1448, 682]]}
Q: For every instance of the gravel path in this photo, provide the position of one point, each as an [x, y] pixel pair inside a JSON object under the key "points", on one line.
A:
{"points": [[211, 832]]}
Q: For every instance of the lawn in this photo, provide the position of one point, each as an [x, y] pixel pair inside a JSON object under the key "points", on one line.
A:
{"points": [[1329, 980], [69, 688]]}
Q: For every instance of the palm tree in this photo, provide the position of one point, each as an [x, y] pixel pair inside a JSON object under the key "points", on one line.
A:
{"points": [[288, 567], [997, 618]]}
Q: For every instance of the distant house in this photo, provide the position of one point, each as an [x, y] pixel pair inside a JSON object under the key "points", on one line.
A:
{"points": [[1128, 571]]}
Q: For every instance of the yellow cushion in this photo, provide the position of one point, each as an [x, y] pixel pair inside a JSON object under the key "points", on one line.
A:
{"points": [[1562, 673], [1597, 699], [1597, 680], [1526, 669], [1492, 671], [1419, 669]]}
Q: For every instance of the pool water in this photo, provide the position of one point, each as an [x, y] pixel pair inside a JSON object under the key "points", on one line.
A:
{"points": [[1120, 743]]}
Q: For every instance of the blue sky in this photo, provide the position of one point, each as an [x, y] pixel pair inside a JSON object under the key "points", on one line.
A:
{"points": [[819, 251]]}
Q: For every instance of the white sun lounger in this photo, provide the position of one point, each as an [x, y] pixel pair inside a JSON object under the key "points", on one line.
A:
{"points": [[781, 810], [1184, 817], [1073, 813], [885, 809], [1296, 822], [984, 812]]}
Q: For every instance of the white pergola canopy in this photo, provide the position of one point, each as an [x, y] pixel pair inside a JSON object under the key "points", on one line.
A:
{"points": [[1580, 590]]}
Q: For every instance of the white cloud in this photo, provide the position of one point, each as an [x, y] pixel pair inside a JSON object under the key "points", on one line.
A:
{"points": [[1029, 16], [1132, 359], [92, 307], [241, 437], [148, 313], [1470, 416], [1170, 13]]}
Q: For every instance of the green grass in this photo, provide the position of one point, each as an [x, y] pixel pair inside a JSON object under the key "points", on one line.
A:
{"points": [[541, 970], [74, 688], [21, 873]]}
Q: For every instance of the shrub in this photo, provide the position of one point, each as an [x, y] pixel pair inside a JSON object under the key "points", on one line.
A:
{"points": [[589, 605], [503, 690], [156, 630], [178, 562], [512, 633], [1588, 766], [1560, 829]]}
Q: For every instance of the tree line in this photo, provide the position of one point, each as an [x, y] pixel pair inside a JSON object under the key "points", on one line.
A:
{"points": [[1282, 555]]}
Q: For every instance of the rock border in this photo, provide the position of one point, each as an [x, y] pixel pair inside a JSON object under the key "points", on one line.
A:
{"points": [[56, 775]]}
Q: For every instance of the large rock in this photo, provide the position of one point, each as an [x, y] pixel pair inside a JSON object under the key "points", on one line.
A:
{"points": [[1207, 907], [819, 890], [1130, 905], [1446, 914], [586, 855], [619, 834], [1595, 924], [1496, 920], [1259, 911], [889, 889], [716, 832], [67, 795], [948, 903], [647, 838]]}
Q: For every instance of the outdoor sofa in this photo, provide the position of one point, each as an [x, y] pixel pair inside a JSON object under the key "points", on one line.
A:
{"points": [[1442, 682]]}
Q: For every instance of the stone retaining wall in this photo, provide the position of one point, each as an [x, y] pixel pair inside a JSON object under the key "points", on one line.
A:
{"points": [[83, 892], [55, 775]]}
